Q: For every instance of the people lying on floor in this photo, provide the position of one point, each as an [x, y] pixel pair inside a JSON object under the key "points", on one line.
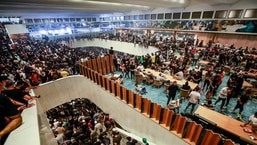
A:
{"points": [[141, 89]]}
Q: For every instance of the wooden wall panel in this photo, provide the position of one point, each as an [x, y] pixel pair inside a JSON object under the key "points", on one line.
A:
{"points": [[107, 61], [103, 65], [89, 62], [99, 79], [124, 94], [92, 75], [156, 112], [118, 89], [111, 63], [113, 88], [99, 65], [147, 106], [237, 40], [139, 102], [103, 82], [108, 84], [85, 63], [81, 70], [94, 65], [131, 98]]}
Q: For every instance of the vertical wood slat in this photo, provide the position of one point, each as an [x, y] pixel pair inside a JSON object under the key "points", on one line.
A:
{"points": [[87, 72], [124, 94], [89, 63], [99, 65], [92, 75], [81, 72], [103, 82], [156, 111], [131, 98], [103, 65], [85, 63], [94, 64], [108, 84], [147, 106], [139, 102], [167, 118], [99, 79], [96, 78], [118, 91], [107, 61], [111, 63], [113, 87]]}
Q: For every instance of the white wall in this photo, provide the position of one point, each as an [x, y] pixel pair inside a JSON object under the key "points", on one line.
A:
{"points": [[16, 29], [63, 90]]}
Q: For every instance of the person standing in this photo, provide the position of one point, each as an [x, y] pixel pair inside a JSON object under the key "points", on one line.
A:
{"points": [[241, 101], [172, 91], [223, 97], [194, 98]]}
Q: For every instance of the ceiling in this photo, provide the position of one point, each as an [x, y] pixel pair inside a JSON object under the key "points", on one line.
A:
{"points": [[89, 7]]}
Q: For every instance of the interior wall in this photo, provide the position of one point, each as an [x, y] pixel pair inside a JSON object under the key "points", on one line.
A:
{"points": [[60, 91], [237, 40]]}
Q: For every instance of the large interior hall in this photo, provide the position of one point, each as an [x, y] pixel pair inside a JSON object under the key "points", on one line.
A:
{"points": [[114, 72]]}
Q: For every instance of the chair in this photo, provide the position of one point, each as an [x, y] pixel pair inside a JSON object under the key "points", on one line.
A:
{"points": [[149, 80], [210, 138], [157, 83], [179, 125], [193, 132], [184, 94]]}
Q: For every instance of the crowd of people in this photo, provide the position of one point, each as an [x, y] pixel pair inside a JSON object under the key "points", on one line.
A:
{"points": [[25, 63]]}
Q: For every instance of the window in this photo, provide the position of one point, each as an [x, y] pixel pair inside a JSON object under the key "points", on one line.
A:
{"points": [[153, 16], [235, 14], [78, 19], [66, 19], [136, 17], [93, 19], [220, 14], [72, 19], [45, 20], [207, 14], [141, 17], [196, 15], [176, 15], [126, 17], [59, 20], [168, 15], [147, 16], [160, 16], [250, 13], [37, 20], [186, 15], [89, 19]]}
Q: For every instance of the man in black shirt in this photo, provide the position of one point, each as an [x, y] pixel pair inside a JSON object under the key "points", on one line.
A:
{"points": [[172, 91], [10, 118], [241, 101]]}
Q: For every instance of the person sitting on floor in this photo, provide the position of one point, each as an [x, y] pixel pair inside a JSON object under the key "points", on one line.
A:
{"points": [[174, 105], [140, 89]]}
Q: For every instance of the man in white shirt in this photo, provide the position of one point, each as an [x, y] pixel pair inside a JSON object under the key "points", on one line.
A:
{"points": [[223, 97], [194, 99]]}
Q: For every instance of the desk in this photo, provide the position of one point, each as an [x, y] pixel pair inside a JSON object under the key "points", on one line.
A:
{"points": [[226, 123], [171, 78]]}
